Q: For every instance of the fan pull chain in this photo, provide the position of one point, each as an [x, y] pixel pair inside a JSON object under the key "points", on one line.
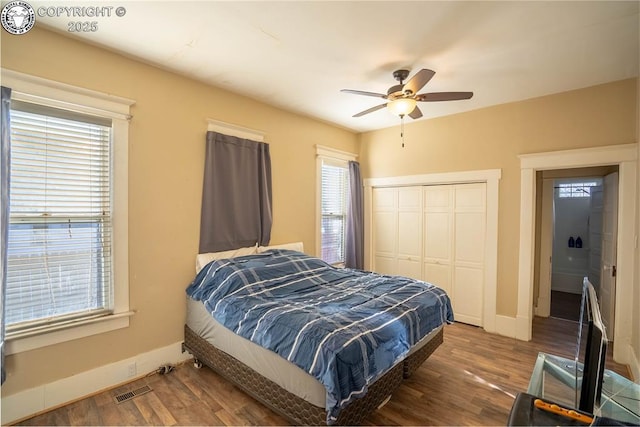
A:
{"points": [[402, 129]]}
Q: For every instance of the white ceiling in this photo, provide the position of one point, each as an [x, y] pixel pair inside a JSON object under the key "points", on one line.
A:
{"points": [[298, 55]]}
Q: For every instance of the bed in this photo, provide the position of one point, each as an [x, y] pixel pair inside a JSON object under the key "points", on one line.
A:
{"points": [[315, 343]]}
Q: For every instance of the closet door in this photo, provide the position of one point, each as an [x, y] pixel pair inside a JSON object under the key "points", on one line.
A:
{"points": [[468, 254], [385, 227], [397, 231], [438, 236], [409, 254]]}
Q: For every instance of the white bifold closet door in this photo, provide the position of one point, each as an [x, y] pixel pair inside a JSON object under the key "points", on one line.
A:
{"points": [[454, 245], [397, 219], [436, 234]]}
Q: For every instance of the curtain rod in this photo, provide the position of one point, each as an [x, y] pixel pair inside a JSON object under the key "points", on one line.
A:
{"points": [[235, 130]]}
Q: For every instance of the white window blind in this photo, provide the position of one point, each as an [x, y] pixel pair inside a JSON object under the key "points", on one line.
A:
{"points": [[334, 194], [59, 244]]}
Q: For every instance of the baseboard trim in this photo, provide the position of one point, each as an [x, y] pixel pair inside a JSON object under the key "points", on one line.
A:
{"points": [[506, 326], [29, 402], [513, 327]]}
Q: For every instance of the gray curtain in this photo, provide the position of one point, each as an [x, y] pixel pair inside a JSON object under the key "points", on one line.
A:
{"points": [[5, 161], [236, 195], [354, 240]]}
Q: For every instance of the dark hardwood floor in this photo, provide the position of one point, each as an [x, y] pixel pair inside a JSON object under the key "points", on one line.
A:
{"points": [[471, 379], [565, 305]]}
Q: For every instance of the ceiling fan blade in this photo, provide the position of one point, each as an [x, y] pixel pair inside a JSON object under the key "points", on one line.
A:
{"points": [[443, 96], [416, 113], [361, 92], [370, 110], [416, 82]]}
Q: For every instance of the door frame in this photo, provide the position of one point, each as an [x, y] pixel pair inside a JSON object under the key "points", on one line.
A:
{"points": [[491, 177], [625, 156]]}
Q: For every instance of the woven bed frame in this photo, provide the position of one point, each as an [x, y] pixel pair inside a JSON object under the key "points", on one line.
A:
{"points": [[297, 410]]}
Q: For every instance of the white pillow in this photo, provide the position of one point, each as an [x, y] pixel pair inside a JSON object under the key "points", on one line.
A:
{"points": [[204, 259], [297, 246]]}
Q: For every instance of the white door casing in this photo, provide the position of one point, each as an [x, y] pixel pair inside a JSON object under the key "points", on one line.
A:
{"points": [[625, 156]]}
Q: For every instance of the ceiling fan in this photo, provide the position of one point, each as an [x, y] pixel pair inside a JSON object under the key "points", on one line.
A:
{"points": [[403, 98]]}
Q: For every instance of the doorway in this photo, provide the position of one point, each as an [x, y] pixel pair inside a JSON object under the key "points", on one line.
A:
{"points": [[625, 157], [573, 241]]}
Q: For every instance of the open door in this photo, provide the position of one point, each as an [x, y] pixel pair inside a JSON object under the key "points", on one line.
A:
{"points": [[607, 288], [546, 249], [596, 206]]}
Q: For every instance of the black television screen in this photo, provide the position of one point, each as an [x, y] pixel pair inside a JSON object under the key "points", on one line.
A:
{"points": [[591, 352]]}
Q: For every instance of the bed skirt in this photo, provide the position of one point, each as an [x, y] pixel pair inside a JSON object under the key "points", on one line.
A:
{"points": [[297, 410]]}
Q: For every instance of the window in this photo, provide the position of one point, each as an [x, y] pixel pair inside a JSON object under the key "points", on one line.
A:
{"points": [[333, 193], [575, 189], [67, 267], [59, 245]]}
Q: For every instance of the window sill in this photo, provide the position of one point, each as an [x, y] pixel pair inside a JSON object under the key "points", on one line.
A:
{"points": [[24, 341]]}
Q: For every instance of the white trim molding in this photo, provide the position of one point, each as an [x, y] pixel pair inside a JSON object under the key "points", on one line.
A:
{"points": [[462, 177], [492, 179], [55, 94], [28, 88], [506, 326], [26, 403], [235, 130], [335, 154], [625, 157], [66, 332]]}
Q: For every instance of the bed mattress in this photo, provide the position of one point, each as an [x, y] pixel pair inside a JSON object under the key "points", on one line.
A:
{"points": [[270, 365]]}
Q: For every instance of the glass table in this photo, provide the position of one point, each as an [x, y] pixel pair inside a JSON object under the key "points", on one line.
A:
{"points": [[554, 378]]}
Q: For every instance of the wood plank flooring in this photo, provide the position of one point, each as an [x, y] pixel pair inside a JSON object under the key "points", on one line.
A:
{"points": [[565, 305], [471, 379]]}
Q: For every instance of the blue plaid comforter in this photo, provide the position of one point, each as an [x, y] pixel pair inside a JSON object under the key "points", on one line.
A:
{"points": [[345, 327]]}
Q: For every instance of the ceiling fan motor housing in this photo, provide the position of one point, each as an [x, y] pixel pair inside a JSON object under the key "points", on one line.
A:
{"points": [[398, 91], [395, 92]]}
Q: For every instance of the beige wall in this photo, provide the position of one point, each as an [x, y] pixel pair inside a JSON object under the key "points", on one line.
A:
{"points": [[166, 158], [166, 164], [492, 138]]}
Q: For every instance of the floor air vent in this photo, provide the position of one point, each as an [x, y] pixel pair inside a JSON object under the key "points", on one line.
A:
{"points": [[131, 394]]}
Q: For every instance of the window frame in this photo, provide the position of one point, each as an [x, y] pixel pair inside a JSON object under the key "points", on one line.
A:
{"points": [[576, 189], [53, 94], [330, 155]]}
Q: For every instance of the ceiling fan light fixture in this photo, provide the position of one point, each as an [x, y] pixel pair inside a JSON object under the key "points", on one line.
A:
{"points": [[402, 98], [402, 106]]}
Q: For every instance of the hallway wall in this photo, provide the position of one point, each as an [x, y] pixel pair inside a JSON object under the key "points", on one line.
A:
{"points": [[570, 262]]}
